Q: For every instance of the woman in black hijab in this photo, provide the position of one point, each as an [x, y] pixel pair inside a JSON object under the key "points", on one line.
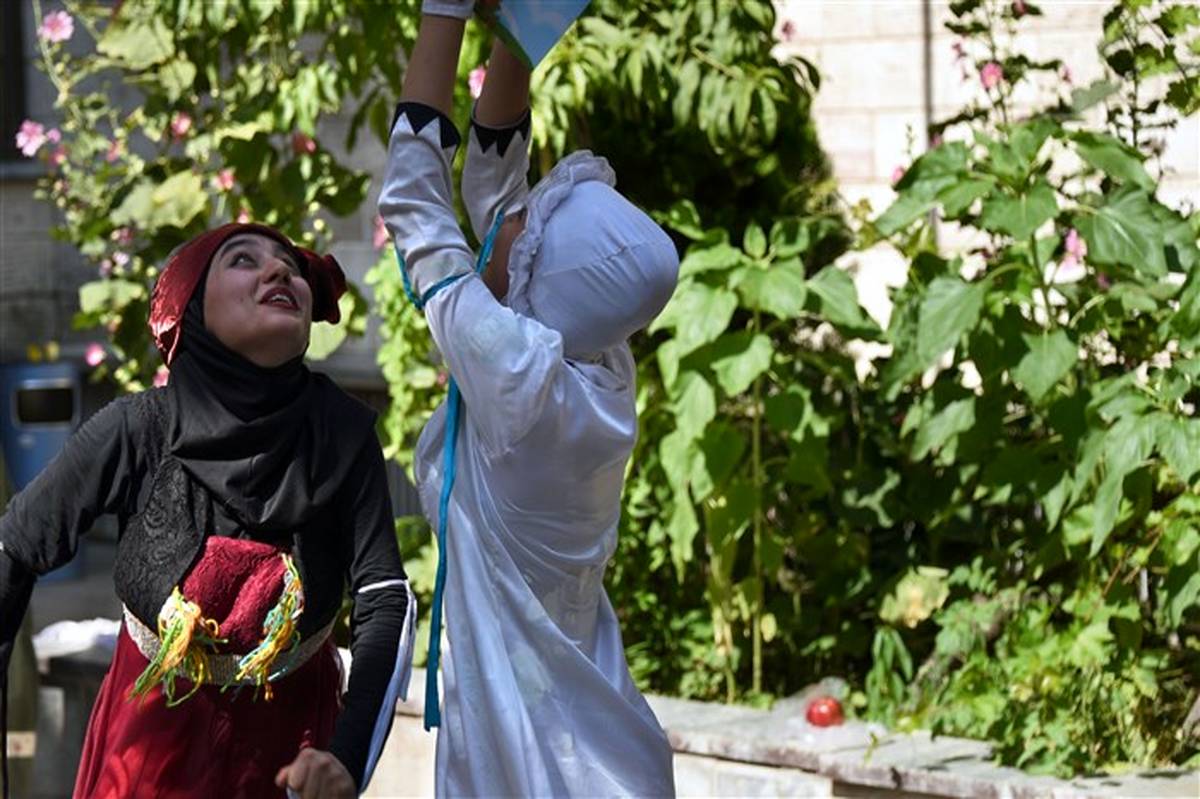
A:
{"points": [[250, 494]]}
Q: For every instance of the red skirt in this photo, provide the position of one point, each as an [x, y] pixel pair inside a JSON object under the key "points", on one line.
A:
{"points": [[212, 746]]}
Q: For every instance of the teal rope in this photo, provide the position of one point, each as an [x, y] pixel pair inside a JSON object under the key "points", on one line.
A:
{"points": [[433, 716]]}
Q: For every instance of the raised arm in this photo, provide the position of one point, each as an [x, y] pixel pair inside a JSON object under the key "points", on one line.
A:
{"points": [[503, 363], [494, 176]]}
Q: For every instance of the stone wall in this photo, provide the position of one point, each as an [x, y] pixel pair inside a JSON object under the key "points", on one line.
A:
{"points": [[875, 83], [884, 80]]}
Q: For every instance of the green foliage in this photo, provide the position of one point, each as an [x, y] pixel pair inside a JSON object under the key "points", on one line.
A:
{"points": [[181, 115], [993, 531], [1061, 498]]}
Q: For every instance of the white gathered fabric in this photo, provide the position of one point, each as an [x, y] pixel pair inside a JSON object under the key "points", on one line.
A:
{"points": [[397, 689], [589, 264], [538, 699]]}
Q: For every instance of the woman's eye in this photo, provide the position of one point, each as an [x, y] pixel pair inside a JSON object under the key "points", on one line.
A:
{"points": [[242, 258]]}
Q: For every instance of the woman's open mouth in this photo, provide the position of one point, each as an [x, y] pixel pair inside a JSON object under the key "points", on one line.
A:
{"points": [[280, 297]]}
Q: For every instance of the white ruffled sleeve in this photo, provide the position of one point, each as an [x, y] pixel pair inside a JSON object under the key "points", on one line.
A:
{"points": [[495, 173]]}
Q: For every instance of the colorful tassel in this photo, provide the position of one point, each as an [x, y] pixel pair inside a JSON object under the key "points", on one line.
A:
{"points": [[279, 632], [180, 624]]}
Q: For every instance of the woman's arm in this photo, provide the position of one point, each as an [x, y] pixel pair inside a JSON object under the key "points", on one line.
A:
{"points": [[503, 363], [505, 96], [494, 175], [381, 623], [96, 472]]}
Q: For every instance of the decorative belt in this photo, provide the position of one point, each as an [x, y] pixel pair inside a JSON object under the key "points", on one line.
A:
{"points": [[223, 668]]}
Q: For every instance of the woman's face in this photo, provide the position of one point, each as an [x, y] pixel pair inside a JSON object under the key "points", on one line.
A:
{"points": [[256, 302]]}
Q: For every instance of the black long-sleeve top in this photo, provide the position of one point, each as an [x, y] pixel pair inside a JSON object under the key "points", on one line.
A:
{"points": [[108, 466]]}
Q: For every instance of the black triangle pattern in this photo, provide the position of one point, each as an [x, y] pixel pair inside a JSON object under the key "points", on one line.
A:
{"points": [[501, 137], [419, 115]]}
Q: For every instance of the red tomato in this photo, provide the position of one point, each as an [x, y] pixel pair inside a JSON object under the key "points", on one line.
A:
{"points": [[824, 711]]}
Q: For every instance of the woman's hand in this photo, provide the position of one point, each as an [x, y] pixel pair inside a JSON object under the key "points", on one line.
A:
{"points": [[315, 774]]}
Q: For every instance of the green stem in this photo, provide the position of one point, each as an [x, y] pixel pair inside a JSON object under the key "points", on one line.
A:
{"points": [[994, 51], [756, 455], [51, 72], [715, 64], [1037, 265]]}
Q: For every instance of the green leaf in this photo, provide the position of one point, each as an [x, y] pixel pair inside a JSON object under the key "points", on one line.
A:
{"points": [[676, 452], [1050, 358], [749, 356], [698, 313], [709, 258], [1177, 19], [1092, 95], [1127, 445], [1114, 158], [668, 363], [1019, 216], [1183, 588], [681, 530], [957, 417], [754, 241], [837, 302], [904, 211], [1092, 646], [683, 217], [174, 202], [957, 199], [1179, 442], [177, 77], [695, 404], [139, 43], [1125, 232], [926, 173], [949, 308], [114, 294], [778, 289], [790, 237], [324, 338], [722, 446]]}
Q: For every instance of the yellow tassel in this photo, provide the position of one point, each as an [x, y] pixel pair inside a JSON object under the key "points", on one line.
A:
{"points": [[279, 632], [179, 622]]}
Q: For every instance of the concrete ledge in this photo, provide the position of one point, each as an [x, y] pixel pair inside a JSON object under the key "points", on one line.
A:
{"points": [[721, 750]]}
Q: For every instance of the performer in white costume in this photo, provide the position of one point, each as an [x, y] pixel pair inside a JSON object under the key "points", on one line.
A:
{"points": [[538, 696]]}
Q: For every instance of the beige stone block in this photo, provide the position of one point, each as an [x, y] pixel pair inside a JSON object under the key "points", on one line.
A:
{"points": [[1070, 15], [848, 140], [698, 776], [899, 139], [897, 18], [1182, 195], [1181, 156], [871, 76]]}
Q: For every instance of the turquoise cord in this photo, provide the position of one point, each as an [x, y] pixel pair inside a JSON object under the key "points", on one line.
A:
{"points": [[433, 716]]}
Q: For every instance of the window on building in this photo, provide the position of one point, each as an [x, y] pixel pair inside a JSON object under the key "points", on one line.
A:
{"points": [[12, 77]]}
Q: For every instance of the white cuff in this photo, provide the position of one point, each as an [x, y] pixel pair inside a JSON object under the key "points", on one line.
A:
{"points": [[459, 9]]}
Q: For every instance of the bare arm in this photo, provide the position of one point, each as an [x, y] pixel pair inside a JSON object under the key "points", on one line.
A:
{"points": [[505, 91], [429, 76]]}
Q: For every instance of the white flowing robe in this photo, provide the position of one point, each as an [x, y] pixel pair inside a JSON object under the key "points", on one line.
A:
{"points": [[538, 699]]}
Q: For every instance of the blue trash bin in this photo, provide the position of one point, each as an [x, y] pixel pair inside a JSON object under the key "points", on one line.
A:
{"points": [[41, 409]]}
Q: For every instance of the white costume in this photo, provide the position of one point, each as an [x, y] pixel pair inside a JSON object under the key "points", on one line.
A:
{"points": [[538, 696]]}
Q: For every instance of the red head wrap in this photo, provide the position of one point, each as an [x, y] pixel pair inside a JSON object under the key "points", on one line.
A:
{"points": [[188, 265]]}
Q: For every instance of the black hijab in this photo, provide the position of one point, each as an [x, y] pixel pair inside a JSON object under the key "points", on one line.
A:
{"points": [[271, 445]]}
